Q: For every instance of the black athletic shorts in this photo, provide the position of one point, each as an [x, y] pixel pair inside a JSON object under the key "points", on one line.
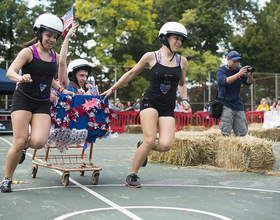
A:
{"points": [[22, 102], [146, 103]]}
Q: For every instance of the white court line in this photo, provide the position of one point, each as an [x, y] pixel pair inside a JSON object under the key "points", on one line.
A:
{"points": [[156, 185], [159, 185], [143, 207], [123, 209], [114, 205]]}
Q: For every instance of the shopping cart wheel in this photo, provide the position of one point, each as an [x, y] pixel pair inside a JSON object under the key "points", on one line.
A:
{"points": [[34, 170], [95, 178], [82, 173], [65, 179]]}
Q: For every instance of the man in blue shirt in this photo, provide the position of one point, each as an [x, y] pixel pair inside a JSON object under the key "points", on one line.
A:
{"points": [[233, 116]]}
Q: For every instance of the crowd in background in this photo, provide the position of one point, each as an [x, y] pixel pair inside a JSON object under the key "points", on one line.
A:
{"points": [[275, 106], [119, 106]]}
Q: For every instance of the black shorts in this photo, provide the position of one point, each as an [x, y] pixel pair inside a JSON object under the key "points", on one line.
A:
{"points": [[22, 102], [146, 103]]}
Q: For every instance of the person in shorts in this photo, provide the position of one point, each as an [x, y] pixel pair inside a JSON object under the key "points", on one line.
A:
{"points": [[231, 75], [168, 72], [31, 99]]}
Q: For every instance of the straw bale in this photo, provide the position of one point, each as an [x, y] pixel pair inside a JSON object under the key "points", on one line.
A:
{"points": [[133, 129], [244, 153], [255, 126], [272, 134], [215, 127], [211, 148], [190, 148], [194, 128]]}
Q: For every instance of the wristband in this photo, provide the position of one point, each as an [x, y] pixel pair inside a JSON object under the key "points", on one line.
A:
{"points": [[185, 100], [238, 76], [60, 87], [112, 89], [62, 90]]}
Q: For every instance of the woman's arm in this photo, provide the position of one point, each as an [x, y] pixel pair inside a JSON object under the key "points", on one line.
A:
{"points": [[182, 83], [128, 76], [56, 86], [62, 68], [25, 56]]}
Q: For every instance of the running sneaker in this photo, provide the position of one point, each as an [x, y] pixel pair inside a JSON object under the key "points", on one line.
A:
{"points": [[6, 185], [132, 181], [22, 158], [138, 145]]}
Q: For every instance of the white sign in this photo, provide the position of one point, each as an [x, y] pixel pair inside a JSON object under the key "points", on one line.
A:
{"points": [[271, 119]]}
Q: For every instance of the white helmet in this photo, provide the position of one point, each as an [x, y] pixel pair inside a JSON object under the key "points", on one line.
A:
{"points": [[50, 22], [173, 27], [76, 65]]}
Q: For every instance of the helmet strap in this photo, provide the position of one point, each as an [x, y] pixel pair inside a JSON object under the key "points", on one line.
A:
{"points": [[39, 36], [165, 41], [74, 79]]}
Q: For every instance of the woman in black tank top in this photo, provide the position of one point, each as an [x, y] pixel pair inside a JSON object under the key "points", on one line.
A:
{"points": [[168, 72], [31, 99]]}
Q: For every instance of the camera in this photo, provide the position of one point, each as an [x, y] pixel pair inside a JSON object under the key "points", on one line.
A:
{"points": [[250, 69]]}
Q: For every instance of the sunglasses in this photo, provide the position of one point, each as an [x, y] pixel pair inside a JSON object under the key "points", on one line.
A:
{"points": [[234, 55]]}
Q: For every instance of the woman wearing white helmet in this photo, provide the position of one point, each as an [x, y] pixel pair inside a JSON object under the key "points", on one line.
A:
{"points": [[73, 77], [157, 106], [31, 99]]}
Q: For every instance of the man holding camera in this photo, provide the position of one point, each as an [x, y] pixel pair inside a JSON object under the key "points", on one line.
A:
{"points": [[229, 80]]}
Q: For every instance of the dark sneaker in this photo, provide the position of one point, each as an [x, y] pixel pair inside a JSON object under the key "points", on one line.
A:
{"points": [[6, 185], [138, 145], [132, 181], [22, 158]]}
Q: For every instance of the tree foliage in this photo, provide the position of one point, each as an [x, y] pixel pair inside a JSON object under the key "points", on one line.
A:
{"points": [[119, 32], [260, 44], [123, 32]]}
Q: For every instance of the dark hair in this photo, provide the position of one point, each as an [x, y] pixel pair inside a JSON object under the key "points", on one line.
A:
{"points": [[29, 43]]}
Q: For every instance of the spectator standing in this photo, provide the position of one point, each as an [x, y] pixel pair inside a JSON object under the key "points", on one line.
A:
{"points": [[273, 106], [230, 77], [111, 104], [137, 106], [177, 106], [263, 106], [278, 105]]}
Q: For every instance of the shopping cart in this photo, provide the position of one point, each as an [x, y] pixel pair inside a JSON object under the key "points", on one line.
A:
{"points": [[77, 123], [66, 164]]}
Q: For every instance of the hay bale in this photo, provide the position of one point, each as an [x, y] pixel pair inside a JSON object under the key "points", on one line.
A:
{"points": [[189, 149], [194, 128], [211, 148], [272, 134], [255, 126], [244, 153], [133, 129], [215, 127]]}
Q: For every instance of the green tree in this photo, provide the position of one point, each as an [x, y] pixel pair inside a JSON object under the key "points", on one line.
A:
{"points": [[260, 44], [206, 25], [12, 12], [123, 32]]}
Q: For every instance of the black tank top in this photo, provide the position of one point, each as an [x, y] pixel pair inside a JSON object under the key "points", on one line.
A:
{"points": [[42, 74], [164, 84]]}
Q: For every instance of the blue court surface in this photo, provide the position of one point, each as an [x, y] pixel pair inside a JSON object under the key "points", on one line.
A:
{"points": [[168, 191]]}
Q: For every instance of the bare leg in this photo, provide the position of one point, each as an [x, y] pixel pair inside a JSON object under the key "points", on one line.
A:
{"points": [[20, 122], [150, 122], [40, 128]]}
